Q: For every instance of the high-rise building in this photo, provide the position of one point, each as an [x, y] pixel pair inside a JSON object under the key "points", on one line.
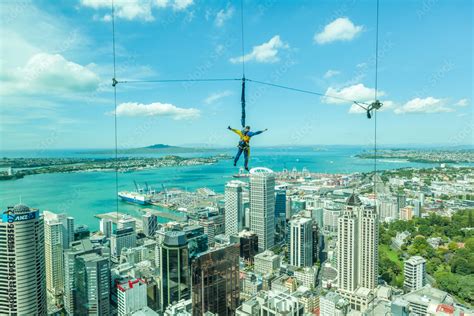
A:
{"points": [[174, 269], [234, 213], [280, 204], [92, 280], [122, 238], [215, 281], [106, 227], [209, 229], [368, 248], [248, 241], [262, 206], [22, 262], [131, 296], [301, 242], [58, 234], [348, 245], [76, 249], [357, 253], [150, 224], [127, 221], [415, 274], [316, 241]]}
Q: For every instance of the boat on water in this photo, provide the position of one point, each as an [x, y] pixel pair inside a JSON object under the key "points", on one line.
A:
{"points": [[134, 197], [241, 174], [140, 196]]}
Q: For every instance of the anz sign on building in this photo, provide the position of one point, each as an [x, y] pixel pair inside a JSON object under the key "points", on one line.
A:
{"points": [[9, 217]]}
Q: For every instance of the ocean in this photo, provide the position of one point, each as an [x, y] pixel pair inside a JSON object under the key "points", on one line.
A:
{"points": [[84, 194]]}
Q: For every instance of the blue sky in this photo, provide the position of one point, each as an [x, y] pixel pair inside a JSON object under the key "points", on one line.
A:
{"points": [[56, 70]]}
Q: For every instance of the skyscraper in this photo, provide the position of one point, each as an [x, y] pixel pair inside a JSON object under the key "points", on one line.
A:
{"points": [[58, 233], [280, 204], [76, 249], [92, 280], [262, 206], [174, 269], [234, 213], [22, 262], [150, 224], [348, 246], [122, 238], [357, 253], [415, 274], [301, 242], [368, 248], [215, 281], [106, 227]]}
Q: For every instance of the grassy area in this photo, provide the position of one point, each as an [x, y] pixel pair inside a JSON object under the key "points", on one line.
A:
{"points": [[391, 254], [386, 251]]}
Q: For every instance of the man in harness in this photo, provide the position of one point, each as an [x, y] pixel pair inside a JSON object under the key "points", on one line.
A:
{"points": [[244, 145]]}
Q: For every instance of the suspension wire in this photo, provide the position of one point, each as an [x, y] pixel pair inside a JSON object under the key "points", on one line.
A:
{"points": [[242, 36], [375, 95], [242, 96], [178, 80], [114, 84], [310, 92]]}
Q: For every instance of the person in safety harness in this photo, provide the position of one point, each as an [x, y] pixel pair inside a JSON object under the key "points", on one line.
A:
{"points": [[244, 143]]}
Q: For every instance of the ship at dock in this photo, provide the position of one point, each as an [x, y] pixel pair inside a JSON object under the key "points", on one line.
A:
{"points": [[142, 196]]}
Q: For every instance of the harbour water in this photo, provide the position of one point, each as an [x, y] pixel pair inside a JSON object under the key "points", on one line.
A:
{"points": [[84, 194]]}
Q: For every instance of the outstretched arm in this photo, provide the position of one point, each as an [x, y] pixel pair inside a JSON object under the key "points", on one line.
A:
{"points": [[234, 130], [257, 132]]}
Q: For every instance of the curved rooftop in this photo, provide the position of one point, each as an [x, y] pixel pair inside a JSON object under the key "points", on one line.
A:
{"points": [[21, 209], [260, 170]]}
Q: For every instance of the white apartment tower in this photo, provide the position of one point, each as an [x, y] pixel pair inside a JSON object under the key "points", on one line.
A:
{"points": [[415, 274], [22, 262], [368, 248], [301, 242], [348, 246], [58, 234], [262, 206], [357, 253], [233, 208]]}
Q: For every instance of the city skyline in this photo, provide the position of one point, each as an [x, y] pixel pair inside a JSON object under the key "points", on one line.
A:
{"points": [[68, 75]]}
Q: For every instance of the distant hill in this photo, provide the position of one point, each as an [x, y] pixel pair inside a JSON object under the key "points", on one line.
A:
{"points": [[156, 148]]}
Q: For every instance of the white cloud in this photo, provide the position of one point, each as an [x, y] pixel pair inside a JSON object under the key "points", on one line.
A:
{"points": [[264, 53], [181, 4], [214, 97], [223, 15], [133, 109], [135, 9], [48, 73], [426, 105], [331, 73], [356, 109], [341, 29], [357, 92], [462, 102]]}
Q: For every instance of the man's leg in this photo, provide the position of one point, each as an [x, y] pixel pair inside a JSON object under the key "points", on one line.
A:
{"points": [[246, 156], [237, 156]]}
